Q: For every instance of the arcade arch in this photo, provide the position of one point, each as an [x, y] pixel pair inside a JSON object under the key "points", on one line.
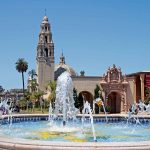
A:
{"points": [[85, 96]]}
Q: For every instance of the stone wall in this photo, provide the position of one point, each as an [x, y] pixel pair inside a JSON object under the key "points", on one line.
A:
{"points": [[86, 83], [131, 95]]}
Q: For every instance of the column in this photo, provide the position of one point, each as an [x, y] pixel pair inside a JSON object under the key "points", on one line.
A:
{"points": [[125, 103], [103, 95], [108, 78], [122, 104], [142, 76], [134, 89]]}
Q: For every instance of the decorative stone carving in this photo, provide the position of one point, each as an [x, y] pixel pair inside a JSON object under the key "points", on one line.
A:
{"points": [[113, 81], [113, 75]]}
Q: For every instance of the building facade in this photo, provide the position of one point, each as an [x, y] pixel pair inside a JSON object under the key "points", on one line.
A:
{"points": [[118, 91]]}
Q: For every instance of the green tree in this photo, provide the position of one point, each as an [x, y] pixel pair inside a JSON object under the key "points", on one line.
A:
{"points": [[27, 95], [75, 96], [32, 100], [35, 95], [38, 95], [33, 74], [51, 86], [26, 100], [96, 91], [21, 67], [33, 85], [147, 97]]}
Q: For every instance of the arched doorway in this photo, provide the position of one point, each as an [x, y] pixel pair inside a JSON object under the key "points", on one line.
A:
{"points": [[114, 101], [85, 96]]}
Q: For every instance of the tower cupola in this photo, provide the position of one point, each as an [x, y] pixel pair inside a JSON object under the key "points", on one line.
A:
{"points": [[62, 59]]}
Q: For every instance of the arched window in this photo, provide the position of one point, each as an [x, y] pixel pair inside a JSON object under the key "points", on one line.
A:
{"points": [[50, 53], [46, 52], [45, 28], [46, 39]]}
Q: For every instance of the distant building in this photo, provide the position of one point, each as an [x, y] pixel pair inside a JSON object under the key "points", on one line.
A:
{"points": [[119, 91], [13, 94]]}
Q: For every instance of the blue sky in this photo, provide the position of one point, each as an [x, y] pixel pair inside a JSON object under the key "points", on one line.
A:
{"points": [[93, 34]]}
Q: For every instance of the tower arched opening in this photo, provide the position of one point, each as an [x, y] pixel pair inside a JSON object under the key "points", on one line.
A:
{"points": [[46, 52], [45, 39]]}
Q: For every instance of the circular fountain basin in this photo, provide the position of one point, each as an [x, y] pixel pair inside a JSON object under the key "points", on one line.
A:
{"points": [[35, 132]]}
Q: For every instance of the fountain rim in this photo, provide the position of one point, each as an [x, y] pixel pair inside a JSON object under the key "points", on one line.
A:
{"points": [[25, 144], [22, 144]]}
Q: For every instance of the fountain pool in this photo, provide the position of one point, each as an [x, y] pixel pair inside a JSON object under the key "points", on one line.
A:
{"points": [[36, 132], [105, 132], [55, 131]]}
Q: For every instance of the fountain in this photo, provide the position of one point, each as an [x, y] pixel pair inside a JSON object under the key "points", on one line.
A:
{"points": [[141, 106], [136, 109], [148, 108], [4, 107], [65, 132], [86, 110], [102, 103], [50, 112], [99, 102], [64, 102], [132, 112]]}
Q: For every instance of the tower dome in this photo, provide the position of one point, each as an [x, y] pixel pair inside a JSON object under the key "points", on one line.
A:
{"points": [[62, 67]]}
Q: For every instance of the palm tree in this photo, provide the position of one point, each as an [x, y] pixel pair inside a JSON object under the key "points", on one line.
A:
{"points": [[21, 67]]}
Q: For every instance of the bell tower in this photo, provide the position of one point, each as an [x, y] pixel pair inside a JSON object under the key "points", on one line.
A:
{"points": [[45, 55]]}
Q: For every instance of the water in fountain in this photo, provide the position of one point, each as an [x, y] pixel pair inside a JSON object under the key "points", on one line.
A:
{"points": [[64, 102], [4, 107], [132, 112], [98, 100], [87, 110], [50, 112], [5, 110], [50, 116], [138, 109], [10, 118], [148, 108], [141, 106]]}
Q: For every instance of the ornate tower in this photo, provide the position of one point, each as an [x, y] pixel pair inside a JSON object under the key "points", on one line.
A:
{"points": [[45, 55]]}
